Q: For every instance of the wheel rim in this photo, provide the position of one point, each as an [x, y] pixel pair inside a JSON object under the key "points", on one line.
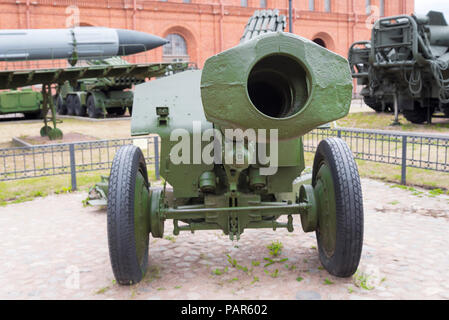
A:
{"points": [[327, 211], [141, 217]]}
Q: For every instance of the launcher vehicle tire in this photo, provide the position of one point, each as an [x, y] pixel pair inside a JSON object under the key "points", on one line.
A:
{"points": [[92, 110]]}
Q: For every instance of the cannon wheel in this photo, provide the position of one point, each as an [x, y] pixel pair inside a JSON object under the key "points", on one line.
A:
{"points": [[338, 193], [128, 215]]}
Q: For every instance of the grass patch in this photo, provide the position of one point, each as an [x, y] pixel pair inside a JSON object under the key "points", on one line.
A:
{"points": [[17, 191], [383, 121], [427, 179]]}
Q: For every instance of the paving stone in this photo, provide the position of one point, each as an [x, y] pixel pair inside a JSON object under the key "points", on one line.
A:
{"points": [[37, 264], [308, 295]]}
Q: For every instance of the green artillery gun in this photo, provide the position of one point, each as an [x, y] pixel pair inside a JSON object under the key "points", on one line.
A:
{"points": [[97, 97], [25, 100], [216, 125], [405, 66]]}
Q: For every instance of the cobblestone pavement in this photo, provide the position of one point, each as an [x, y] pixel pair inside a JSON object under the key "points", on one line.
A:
{"points": [[54, 248]]}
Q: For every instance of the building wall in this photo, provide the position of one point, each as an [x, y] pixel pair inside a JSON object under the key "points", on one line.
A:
{"points": [[208, 26]]}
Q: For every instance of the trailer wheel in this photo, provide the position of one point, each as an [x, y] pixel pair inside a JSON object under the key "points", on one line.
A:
{"points": [[418, 115], [373, 103], [61, 107], [128, 215], [80, 110], [339, 200], [92, 109]]}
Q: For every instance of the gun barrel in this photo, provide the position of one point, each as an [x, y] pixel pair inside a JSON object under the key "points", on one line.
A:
{"points": [[439, 35], [84, 42], [276, 81]]}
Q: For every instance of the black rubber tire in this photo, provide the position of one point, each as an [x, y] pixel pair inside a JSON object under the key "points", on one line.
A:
{"points": [[130, 110], [373, 103], [120, 215], [61, 107], [70, 105], [80, 110], [92, 110], [349, 207], [418, 115]]}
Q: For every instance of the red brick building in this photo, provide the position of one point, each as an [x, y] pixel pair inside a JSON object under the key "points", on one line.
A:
{"points": [[200, 28]]}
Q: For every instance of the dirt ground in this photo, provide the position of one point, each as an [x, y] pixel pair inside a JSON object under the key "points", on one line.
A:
{"points": [[54, 248], [104, 129]]}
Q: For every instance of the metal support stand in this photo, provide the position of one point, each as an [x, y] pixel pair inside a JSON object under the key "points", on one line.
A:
{"points": [[429, 114], [396, 111], [290, 23], [47, 100]]}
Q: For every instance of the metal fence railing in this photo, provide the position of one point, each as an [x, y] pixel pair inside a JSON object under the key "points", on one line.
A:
{"points": [[404, 149], [391, 147], [70, 158]]}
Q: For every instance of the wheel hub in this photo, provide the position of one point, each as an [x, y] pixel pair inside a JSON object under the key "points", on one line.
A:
{"points": [[327, 212], [141, 216]]}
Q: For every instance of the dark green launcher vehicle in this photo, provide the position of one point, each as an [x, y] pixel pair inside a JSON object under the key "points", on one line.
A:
{"points": [[231, 149], [25, 100], [405, 66]]}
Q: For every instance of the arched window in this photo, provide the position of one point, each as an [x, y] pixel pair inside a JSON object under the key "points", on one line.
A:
{"points": [[311, 5], [320, 42], [176, 49], [368, 6], [327, 5]]}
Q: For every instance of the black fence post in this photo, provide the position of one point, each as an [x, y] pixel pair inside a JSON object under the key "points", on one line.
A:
{"points": [[156, 157], [72, 166], [404, 161]]}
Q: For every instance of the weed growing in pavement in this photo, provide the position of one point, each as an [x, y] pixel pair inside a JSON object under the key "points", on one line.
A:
{"points": [[170, 238], [361, 280], [103, 290], [275, 248]]}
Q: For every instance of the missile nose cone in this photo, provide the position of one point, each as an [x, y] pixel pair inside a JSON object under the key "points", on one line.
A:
{"points": [[131, 41]]}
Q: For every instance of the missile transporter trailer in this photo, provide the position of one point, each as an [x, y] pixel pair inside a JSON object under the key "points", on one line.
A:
{"points": [[216, 126], [98, 97], [405, 66], [25, 100]]}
